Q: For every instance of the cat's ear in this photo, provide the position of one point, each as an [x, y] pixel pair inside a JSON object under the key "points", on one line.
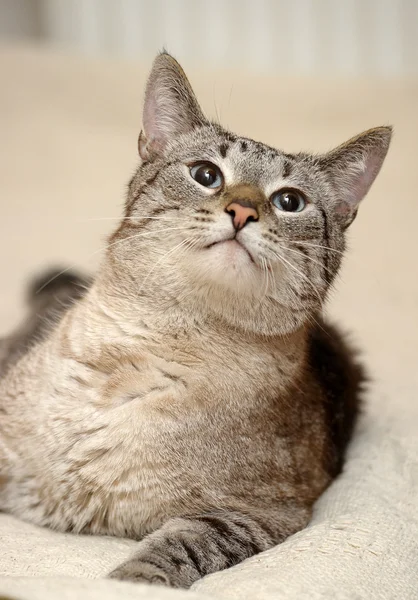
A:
{"points": [[352, 168], [170, 107]]}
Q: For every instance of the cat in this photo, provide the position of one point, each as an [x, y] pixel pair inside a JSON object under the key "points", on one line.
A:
{"points": [[192, 396]]}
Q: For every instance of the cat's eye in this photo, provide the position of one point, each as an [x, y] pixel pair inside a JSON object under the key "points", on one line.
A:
{"points": [[289, 200], [207, 174]]}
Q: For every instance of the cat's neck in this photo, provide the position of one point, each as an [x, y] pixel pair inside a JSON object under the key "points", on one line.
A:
{"points": [[111, 314]]}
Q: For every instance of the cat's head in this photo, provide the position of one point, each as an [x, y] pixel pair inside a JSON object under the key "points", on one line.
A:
{"points": [[223, 224]]}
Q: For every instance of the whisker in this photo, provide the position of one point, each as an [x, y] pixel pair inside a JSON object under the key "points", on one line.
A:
{"points": [[178, 247], [308, 257], [310, 317], [280, 302], [280, 257], [269, 287], [303, 243], [214, 104], [127, 219], [138, 218], [271, 275], [146, 233], [137, 235], [56, 277], [265, 279]]}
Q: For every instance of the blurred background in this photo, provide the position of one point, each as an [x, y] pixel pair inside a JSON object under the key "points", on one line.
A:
{"points": [[346, 37]]}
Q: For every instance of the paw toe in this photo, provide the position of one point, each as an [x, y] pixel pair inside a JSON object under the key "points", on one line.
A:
{"points": [[140, 572]]}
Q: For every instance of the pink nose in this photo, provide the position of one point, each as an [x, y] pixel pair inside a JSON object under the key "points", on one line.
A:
{"points": [[242, 212]]}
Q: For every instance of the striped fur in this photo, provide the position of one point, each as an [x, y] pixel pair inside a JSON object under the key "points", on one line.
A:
{"points": [[188, 548]]}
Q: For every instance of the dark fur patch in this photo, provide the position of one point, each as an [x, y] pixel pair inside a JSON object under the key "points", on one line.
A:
{"points": [[151, 179], [229, 136], [287, 167], [326, 243], [223, 149], [193, 557], [50, 296], [52, 281], [341, 379], [218, 525], [244, 146], [235, 540], [287, 155], [260, 148], [157, 211]]}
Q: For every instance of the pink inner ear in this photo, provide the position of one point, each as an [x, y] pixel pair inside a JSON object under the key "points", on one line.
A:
{"points": [[372, 167], [354, 165], [151, 119], [160, 119], [358, 182], [344, 208]]}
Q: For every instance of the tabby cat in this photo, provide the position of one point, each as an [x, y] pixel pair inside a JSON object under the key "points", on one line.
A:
{"points": [[192, 397]]}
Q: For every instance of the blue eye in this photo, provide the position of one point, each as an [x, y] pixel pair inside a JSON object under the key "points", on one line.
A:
{"points": [[207, 174], [289, 200]]}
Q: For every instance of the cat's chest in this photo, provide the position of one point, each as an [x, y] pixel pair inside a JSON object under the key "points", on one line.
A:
{"points": [[198, 374], [181, 392], [146, 434], [163, 426]]}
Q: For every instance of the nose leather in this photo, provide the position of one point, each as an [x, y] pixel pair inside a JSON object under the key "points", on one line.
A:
{"points": [[242, 212]]}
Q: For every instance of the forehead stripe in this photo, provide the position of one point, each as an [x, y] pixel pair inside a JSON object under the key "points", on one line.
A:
{"points": [[223, 149]]}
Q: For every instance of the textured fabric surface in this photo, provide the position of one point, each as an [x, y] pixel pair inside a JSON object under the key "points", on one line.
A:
{"points": [[68, 145]]}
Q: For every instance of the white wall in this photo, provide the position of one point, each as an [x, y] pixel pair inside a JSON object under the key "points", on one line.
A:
{"points": [[280, 36]]}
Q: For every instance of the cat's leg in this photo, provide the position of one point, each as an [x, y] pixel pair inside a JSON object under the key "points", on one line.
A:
{"points": [[186, 549]]}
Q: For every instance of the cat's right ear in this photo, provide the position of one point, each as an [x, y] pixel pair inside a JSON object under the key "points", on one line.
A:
{"points": [[170, 107]]}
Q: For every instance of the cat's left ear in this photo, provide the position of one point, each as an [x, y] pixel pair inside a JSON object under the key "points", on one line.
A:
{"points": [[170, 107], [352, 168]]}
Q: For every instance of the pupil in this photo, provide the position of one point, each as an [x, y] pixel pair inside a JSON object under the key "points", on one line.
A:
{"points": [[206, 176], [290, 202]]}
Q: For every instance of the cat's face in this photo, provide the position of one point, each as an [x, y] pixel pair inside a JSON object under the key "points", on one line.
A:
{"points": [[233, 225]]}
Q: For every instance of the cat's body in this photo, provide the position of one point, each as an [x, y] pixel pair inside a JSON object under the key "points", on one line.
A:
{"points": [[126, 442], [194, 391]]}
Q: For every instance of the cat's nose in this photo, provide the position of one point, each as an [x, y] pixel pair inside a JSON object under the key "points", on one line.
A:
{"points": [[242, 212]]}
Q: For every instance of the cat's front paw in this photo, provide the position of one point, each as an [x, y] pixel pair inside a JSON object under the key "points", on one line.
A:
{"points": [[140, 572]]}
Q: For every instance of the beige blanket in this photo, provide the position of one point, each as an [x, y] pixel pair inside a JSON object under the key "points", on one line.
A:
{"points": [[68, 144]]}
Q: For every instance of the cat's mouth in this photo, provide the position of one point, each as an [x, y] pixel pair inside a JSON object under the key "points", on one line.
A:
{"points": [[233, 244]]}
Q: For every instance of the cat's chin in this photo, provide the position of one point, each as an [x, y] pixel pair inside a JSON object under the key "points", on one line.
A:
{"points": [[229, 265], [232, 252]]}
